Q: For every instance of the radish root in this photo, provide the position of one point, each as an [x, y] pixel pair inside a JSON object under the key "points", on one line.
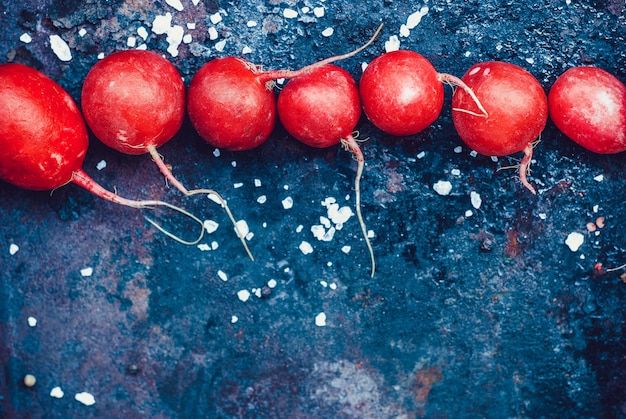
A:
{"points": [[269, 75], [454, 81], [170, 177], [615, 269], [350, 144], [83, 180]]}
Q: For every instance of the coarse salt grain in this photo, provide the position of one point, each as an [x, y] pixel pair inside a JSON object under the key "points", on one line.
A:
{"points": [[251, 23], [272, 283], [346, 249], [60, 48], [222, 275], [210, 226], [204, 247], [458, 149], [101, 165], [421, 155], [328, 32], [26, 38], [257, 183], [574, 241], [86, 272], [476, 199], [234, 319], [243, 295], [191, 26], [299, 228], [443, 187], [305, 247], [82, 32], [287, 202], [85, 398], [13, 249], [290, 13], [215, 18], [246, 50], [213, 35], [57, 393], [320, 319], [176, 4], [32, 322], [405, 32], [219, 46], [187, 39], [217, 152], [318, 11], [131, 42], [414, 19], [262, 199], [237, 185], [242, 229], [599, 178], [469, 213], [393, 44]]}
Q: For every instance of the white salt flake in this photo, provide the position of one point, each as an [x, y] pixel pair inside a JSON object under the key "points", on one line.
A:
{"points": [[287, 202], [393, 44], [599, 178], [346, 249], [13, 249], [320, 319], [299, 228], [574, 241], [191, 26], [246, 50], [305, 9], [443, 187], [458, 149], [325, 222], [405, 32], [262, 199], [596, 208], [257, 183], [215, 198], [174, 38], [176, 4], [215, 18], [290, 13], [213, 35], [272, 283], [32, 322], [214, 245], [222, 275], [305, 247], [195, 2], [421, 155], [455, 172], [469, 213], [473, 153], [328, 32], [237, 185], [339, 215], [57, 393], [234, 319], [187, 39], [318, 11], [131, 42], [530, 60], [219, 46], [101, 55], [476, 199], [82, 32], [251, 23], [543, 216], [162, 23], [85, 398], [243, 295], [60, 48], [26, 38], [242, 228], [333, 286], [101, 165], [216, 152], [86, 272], [210, 226], [204, 247], [414, 19]]}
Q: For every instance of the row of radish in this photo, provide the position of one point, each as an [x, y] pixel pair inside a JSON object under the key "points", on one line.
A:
{"points": [[135, 101]]}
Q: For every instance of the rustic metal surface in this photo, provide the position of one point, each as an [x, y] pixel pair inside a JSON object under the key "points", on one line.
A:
{"points": [[488, 314]]}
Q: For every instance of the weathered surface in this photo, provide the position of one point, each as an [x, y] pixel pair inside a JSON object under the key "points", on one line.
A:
{"points": [[481, 314]]}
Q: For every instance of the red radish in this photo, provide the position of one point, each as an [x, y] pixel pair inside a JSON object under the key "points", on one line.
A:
{"points": [[517, 110], [322, 108], [134, 102], [231, 102], [44, 139], [402, 93], [589, 106]]}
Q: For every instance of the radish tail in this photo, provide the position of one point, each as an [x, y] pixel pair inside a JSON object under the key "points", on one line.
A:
{"points": [[170, 177], [350, 144], [524, 167], [455, 81], [83, 180]]}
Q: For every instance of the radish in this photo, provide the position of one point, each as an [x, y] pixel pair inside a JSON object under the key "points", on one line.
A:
{"points": [[402, 93], [44, 139], [589, 106], [231, 102], [321, 108], [134, 102], [516, 112]]}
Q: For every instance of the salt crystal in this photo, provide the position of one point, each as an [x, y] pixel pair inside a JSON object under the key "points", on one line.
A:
{"points": [[215, 198], [216, 152], [287, 202], [174, 38], [32, 322], [473, 153], [176, 4], [243, 295], [13, 249], [320, 319], [162, 23], [318, 11], [599, 178], [191, 25], [237, 185], [543, 215], [364, 66], [26, 38], [458, 149], [257, 183], [215, 18], [443, 187], [339, 215], [251, 23], [195, 2], [234, 319], [82, 32], [346, 249], [131, 42], [371, 234], [219, 46], [596, 208], [333, 286], [530, 60], [405, 32], [60, 48], [222, 275], [57, 393], [272, 283], [204, 247], [85, 398], [262, 199], [421, 155], [242, 228], [328, 32], [86, 272], [299, 228], [213, 35], [246, 50], [494, 159], [574, 241], [187, 39], [325, 222], [414, 19], [393, 44], [214, 245], [476, 199], [305, 9], [469, 213], [455, 172], [210, 226], [290, 13], [286, 187], [100, 55], [305, 247], [101, 165]]}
